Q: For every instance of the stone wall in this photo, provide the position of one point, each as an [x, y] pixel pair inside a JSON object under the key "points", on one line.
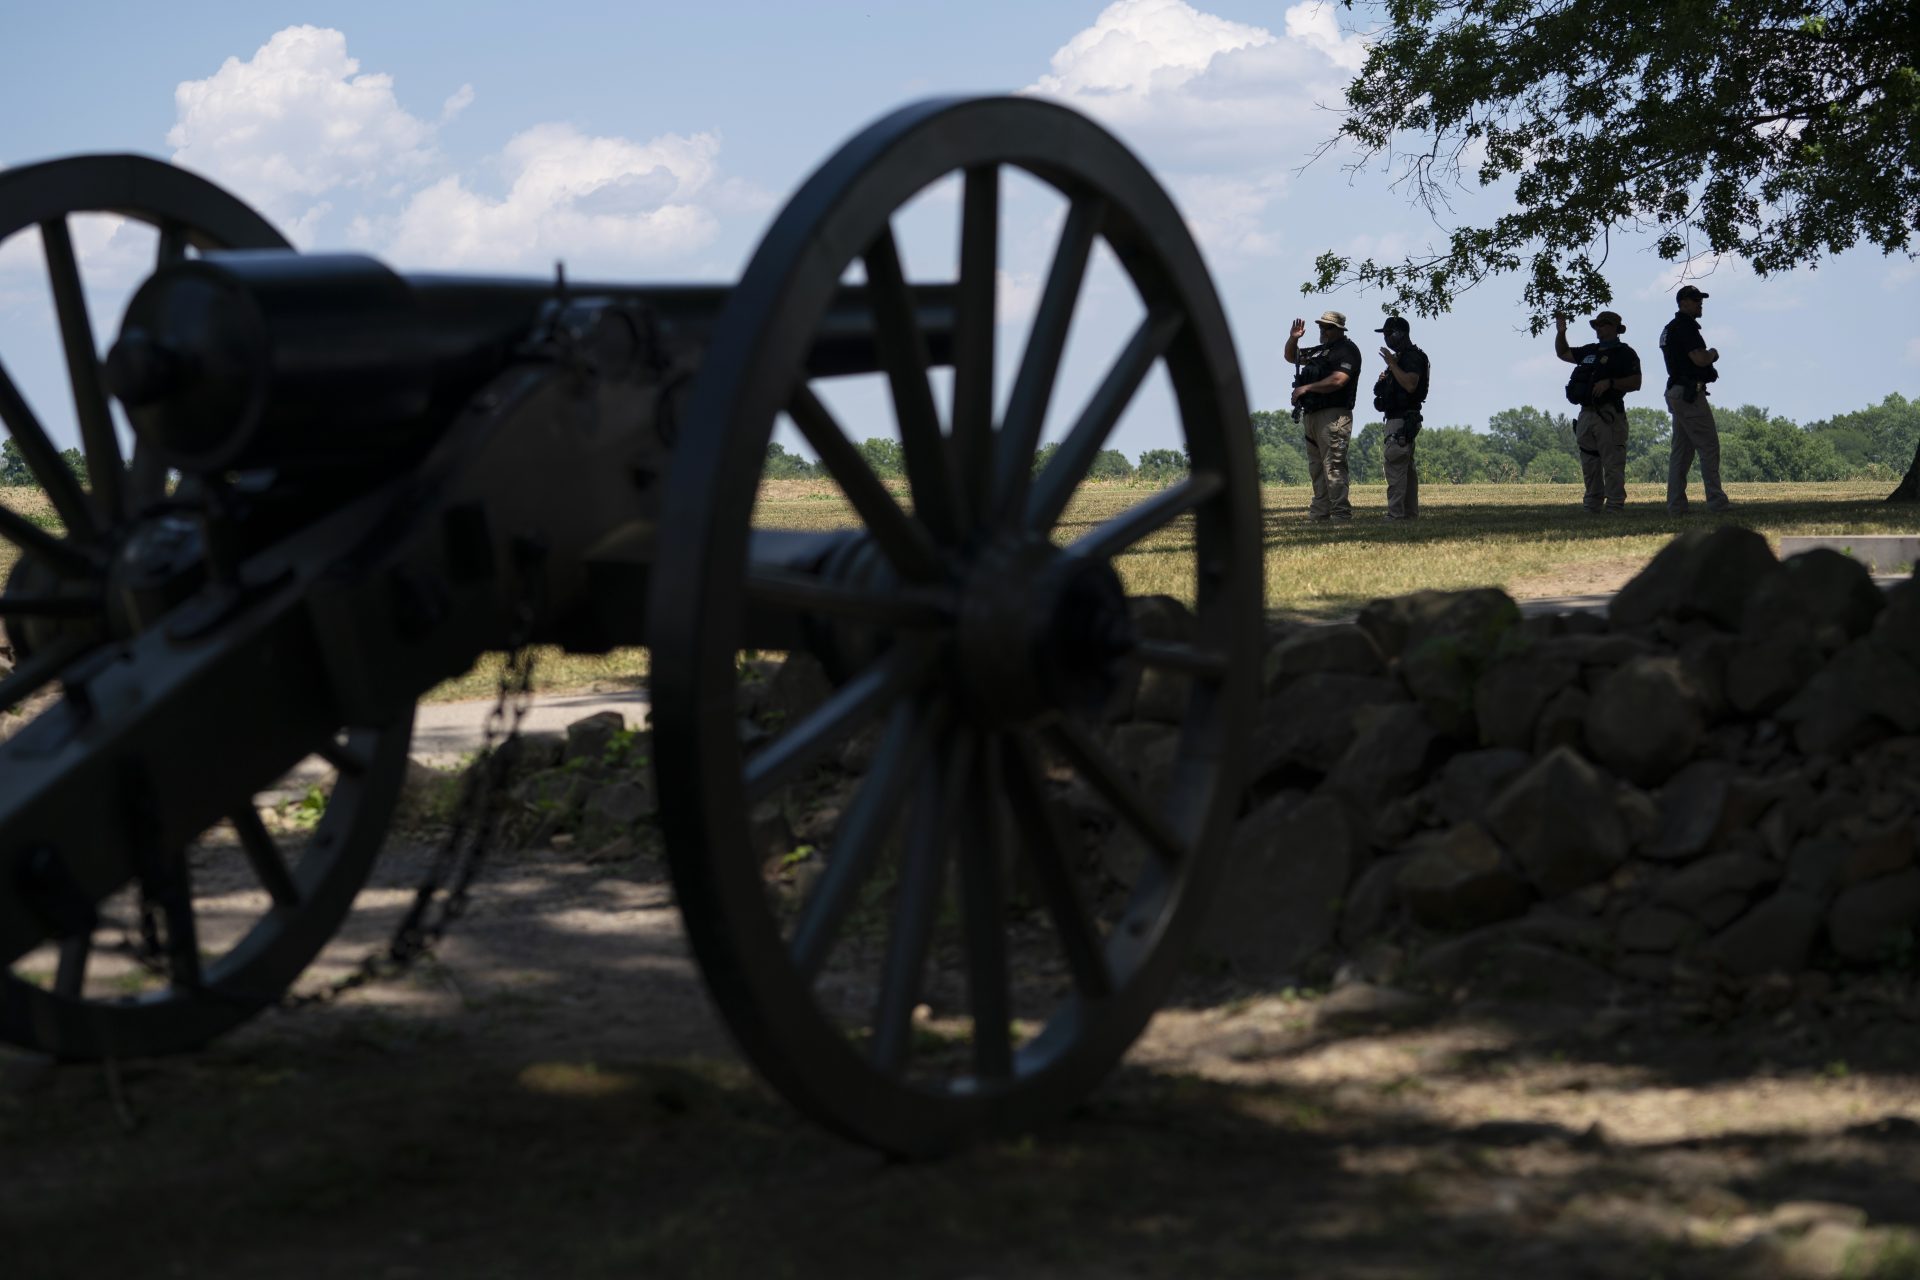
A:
{"points": [[1715, 782]]}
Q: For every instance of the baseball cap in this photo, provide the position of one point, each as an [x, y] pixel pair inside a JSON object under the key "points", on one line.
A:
{"points": [[1612, 318], [1394, 322], [1338, 319], [1688, 291]]}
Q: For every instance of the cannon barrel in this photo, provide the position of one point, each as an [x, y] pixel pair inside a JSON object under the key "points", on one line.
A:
{"points": [[270, 358]]}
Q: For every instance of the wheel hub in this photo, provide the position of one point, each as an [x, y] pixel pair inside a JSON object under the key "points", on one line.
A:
{"points": [[1040, 631]]}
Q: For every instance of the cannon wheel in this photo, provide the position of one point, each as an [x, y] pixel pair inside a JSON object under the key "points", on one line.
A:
{"points": [[56, 610], [982, 633]]}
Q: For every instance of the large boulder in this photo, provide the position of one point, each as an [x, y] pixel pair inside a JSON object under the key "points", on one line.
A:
{"points": [[1874, 919], [1287, 871], [1393, 750], [1561, 821], [1645, 719], [1512, 693], [1476, 620], [1460, 879], [1691, 808], [1312, 722], [1775, 937], [1344, 649], [1468, 782], [1819, 596], [1709, 575]]}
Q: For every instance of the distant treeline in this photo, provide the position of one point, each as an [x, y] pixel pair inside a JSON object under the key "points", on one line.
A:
{"points": [[1524, 444], [1532, 445], [1536, 445]]}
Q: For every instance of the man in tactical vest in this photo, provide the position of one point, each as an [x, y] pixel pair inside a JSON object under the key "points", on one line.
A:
{"points": [[1605, 370], [1325, 380], [1689, 369], [1398, 394]]}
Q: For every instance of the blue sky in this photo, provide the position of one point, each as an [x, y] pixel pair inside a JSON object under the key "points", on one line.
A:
{"points": [[656, 141]]}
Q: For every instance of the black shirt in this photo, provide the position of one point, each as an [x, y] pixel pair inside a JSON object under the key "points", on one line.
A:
{"points": [[1616, 362], [1339, 356], [1413, 360], [1681, 336]]}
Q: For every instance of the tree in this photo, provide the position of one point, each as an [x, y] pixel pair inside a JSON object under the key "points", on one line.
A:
{"points": [[1524, 433], [1756, 445], [885, 456], [1110, 464], [1649, 444], [1452, 455], [1365, 465], [14, 470], [13, 465], [1162, 465], [782, 465], [1553, 468], [1882, 435], [1776, 131], [1281, 465]]}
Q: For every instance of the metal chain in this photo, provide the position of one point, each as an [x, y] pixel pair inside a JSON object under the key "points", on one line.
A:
{"points": [[457, 862]]}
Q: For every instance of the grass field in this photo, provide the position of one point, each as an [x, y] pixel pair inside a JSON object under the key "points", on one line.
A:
{"points": [[1530, 539]]}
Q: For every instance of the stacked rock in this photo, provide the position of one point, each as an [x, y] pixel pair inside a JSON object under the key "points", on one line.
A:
{"points": [[1719, 776]]}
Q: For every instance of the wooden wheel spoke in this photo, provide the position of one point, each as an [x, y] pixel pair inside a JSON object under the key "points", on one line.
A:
{"points": [[922, 878], [349, 762], [1040, 364], [1049, 844], [973, 334], [1176, 655], [1069, 465], [173, 244], [105, 467], [846, 709], [983, 906], [1106, 777], [863, 830], [905, 608], [46, 606], [62, 557], [1136, 522], [70, 978], [901, 539], [38, 671], [183, 932], [48, 467], [263, 855], [903, 352]]}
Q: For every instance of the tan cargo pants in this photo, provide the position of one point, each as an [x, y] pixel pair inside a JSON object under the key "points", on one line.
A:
{"points": [[1694, 433], [1601, 434], [1329, 432], [1403, 474]]}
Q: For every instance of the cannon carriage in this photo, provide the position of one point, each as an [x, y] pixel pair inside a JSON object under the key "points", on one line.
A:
{"points": [[382, 477]]}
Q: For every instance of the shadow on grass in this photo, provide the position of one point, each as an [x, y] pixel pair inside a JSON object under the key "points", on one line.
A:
{"points": [[522, 1135]]}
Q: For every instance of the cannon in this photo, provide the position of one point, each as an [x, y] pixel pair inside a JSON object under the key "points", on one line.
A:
{"points": [[346, 485]]}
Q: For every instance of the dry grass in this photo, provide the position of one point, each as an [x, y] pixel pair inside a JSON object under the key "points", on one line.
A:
{"points": [[1468, 535]]}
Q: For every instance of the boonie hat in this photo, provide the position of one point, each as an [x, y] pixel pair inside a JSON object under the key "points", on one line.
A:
{"points": [[1688, 291], [1394, 322], [1610, 317], [1338, 319]]}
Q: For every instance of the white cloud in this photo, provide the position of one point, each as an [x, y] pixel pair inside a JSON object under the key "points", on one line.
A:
{"points": [[459, 100], [1228, 213], [297, 120], [1196, 90], [300, 131], [589, 200]]}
